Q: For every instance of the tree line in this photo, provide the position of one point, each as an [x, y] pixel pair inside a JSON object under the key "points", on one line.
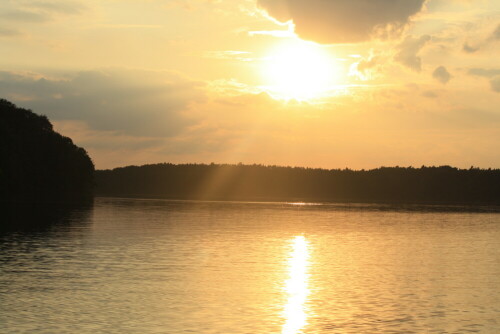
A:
{"points": [[443, 184]]}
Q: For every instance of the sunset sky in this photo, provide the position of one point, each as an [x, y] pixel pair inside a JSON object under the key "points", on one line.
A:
{"points": [[317, 83]]}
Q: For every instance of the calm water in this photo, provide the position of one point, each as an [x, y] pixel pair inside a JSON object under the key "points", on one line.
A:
{"points": [[149, 266]]}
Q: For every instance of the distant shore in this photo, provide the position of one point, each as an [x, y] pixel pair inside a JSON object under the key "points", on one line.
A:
{"points": [[443, 185]]}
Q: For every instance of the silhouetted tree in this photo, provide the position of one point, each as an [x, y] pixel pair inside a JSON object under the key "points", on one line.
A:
{"points": [[38, 164]]}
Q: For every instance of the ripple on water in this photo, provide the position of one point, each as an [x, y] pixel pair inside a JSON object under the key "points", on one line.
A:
{"points": [[129, 266]]}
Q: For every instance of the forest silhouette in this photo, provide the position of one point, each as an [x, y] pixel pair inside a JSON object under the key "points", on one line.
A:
{"points": [[442, 184], [37, 164]]}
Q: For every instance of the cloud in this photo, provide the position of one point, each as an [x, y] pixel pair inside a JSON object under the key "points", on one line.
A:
{"points": [[39, 11], [367, 68], [496, 34], [6, 32], [343, 21], [493, 37], [408, 52], [367, 64], [495, 84], [24, 16], [61, 7], [98, 140], [142, 103], [273, 33], [441, 74], [484, 72], [430, 94], [470, 49], [491, 73], [230, 55]]}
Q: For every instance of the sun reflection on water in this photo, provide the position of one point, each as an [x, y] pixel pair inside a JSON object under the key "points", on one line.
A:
{"points": [[297, 287]]}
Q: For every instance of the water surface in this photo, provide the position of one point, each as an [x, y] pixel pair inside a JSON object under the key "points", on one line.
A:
{"points": [[153, 266]]}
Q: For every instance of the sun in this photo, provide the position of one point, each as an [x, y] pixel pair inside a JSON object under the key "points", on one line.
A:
{"points": [[299, 70]]}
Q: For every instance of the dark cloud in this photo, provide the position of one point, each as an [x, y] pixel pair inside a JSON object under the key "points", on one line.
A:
{"points": [[6, 32], [343, 21], [408, 52], [441, 74], [470, 49], [131, 102]]}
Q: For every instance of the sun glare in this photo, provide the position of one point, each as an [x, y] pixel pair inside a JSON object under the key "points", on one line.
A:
{"points": [[301, 70], [296, 287]]}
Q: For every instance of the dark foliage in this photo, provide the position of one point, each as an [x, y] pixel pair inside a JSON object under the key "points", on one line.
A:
{"points": [[255, 182], [37, 164]]}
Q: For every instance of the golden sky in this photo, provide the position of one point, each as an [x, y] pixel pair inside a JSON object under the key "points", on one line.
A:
{"points": [[333, 84]]}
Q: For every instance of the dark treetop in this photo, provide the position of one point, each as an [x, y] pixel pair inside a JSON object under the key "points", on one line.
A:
{"points": [[256, 182], [37, 164]]}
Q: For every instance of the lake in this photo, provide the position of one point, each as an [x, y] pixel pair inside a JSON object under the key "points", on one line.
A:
{"points": [[157, 266]]}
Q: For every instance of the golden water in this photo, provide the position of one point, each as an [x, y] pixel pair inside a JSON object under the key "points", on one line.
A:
{"points": [[150, 266]]}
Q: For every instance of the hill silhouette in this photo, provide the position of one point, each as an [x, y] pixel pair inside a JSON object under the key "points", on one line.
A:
{"points": [[443, 184], [37, 164]]}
